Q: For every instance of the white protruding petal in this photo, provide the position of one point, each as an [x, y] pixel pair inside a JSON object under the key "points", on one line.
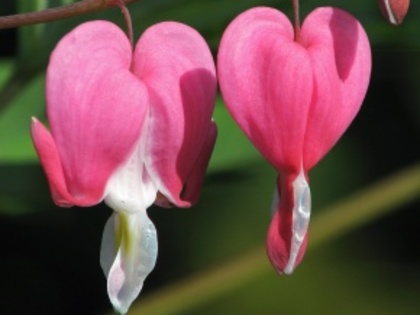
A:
{"points": [[129, 243], [301, 216], [109, 247], [128, 255]]}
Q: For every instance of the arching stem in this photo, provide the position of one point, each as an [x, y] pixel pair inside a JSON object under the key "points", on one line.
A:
{"points": [[296, 19], [127, 18], [53, 14]]}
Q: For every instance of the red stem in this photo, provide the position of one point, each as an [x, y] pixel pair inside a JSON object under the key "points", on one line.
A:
{"points": [[127, 18], [296, 19], [53, 14]]}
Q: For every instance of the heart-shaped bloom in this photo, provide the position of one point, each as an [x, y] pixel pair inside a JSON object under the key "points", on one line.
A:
{"points": [[293, 99], [127, 127]]}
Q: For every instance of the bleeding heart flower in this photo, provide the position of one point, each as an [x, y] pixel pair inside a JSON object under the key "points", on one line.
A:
{"points": [[394, 11], [293, 99], [125, 128]]}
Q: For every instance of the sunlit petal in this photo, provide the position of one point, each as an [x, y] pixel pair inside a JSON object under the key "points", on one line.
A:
{"points": [[266, 81], [95, 106]]}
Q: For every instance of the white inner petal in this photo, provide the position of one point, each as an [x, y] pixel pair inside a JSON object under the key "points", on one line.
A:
{"points": [[130, 188], [129, 244], [128, 254], [301, 216]]}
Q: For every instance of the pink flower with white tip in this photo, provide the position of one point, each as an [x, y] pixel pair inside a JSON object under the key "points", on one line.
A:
{"points": [[293, 91], [394, 11], [127, 127]]}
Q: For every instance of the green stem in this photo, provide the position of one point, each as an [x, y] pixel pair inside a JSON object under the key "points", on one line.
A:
{"points": [[355, 211]]}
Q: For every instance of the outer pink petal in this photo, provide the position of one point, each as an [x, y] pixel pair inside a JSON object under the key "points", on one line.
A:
{"points": [[394, 11], [176, 65], [341, 60], [192, 187], [266, 82], [194, 182], [50, 159], [95, 107]]}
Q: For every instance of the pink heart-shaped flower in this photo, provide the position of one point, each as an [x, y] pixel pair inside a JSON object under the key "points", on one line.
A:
{"points": [[129, 128], [294, 100]]}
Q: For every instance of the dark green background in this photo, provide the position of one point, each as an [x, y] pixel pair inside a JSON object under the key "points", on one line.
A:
{"points": [[49, 260]]}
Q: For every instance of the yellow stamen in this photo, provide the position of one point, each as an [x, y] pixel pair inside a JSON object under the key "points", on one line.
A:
{"points": [[122, 234]]}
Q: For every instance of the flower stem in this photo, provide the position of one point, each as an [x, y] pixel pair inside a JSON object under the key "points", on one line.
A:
{"points": [[53, 14], [354, 211], [296, 19], [127, 18]]}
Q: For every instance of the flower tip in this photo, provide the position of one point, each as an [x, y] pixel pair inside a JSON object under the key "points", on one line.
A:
{"points": [[35, 124], [120, 310], [394, 11], [279, 252], [288, 231], [281, 260], [128, 255]]}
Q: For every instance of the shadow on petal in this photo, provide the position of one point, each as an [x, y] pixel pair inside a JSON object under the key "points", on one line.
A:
{"points": [[345, 34], [198, 91]]}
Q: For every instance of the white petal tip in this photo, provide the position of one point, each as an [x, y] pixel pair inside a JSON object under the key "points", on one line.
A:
{"points": [[128, 255], [288, 270], [120, 310], [301, 216]]}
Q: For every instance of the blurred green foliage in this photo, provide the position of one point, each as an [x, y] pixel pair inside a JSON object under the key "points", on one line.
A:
{"points": [[49, 257]]}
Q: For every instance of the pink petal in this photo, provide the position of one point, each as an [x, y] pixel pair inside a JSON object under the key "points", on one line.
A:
{"points": [[394, 10], [341, 61], [266, 82], [48, 154], [194, 182], [176, 65], [293, 100], [192, 187], [95, 106]]}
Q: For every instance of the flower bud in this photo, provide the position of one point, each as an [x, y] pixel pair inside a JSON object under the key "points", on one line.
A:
{"points": [[394, 11]]}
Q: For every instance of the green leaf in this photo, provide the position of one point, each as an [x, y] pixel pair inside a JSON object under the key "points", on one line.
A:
{"points": [[6, 69], [232, 147], [15, 141]]}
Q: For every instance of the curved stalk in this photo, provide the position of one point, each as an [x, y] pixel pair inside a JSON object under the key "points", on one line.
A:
{"points": [[53, 14]]}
